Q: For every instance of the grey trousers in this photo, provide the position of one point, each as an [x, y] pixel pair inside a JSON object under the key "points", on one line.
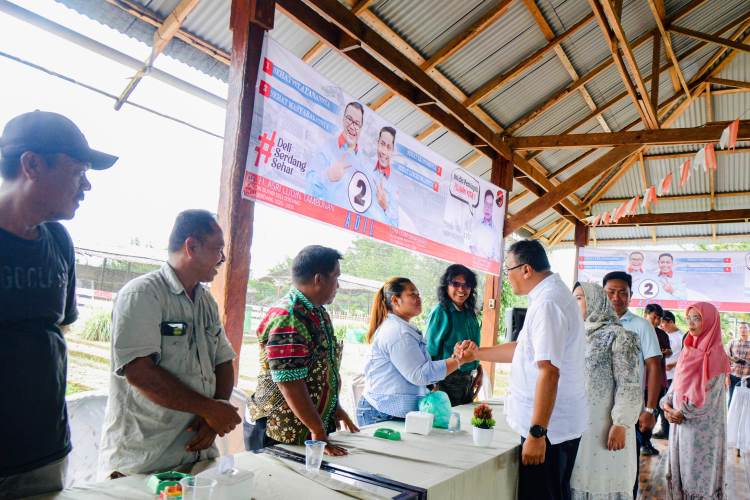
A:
{"points": [[46, 479]]}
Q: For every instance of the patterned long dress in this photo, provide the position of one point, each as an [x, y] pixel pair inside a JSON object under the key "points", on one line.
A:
{"points": [[698, 447], [613, 386]]}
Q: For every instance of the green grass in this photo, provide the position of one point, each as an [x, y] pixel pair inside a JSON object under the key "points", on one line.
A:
{"points": [[93, 358], [73, 388]]}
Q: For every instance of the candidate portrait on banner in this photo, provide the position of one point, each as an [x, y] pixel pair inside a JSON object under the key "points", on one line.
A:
{"points": [[384, 207], [485, 237]]}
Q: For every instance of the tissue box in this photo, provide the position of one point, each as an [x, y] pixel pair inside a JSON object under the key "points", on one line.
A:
{"points": [[419, 422]]}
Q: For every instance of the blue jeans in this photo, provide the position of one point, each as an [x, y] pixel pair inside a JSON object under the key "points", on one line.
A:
{"points": [[367, 414]]}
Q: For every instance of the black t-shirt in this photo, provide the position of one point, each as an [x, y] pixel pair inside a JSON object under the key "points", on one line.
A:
{"points": [[37, 295]]}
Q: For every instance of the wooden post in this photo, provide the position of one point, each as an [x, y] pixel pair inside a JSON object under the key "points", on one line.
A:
{"points": [[249, 20], [581, 240], [502, 175]]}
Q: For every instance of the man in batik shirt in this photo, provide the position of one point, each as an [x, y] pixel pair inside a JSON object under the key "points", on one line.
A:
{"points": [[297, 397]]}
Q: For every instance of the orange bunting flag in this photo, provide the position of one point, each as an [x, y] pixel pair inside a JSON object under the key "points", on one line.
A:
{"points": [[649, 197], [620, 211], [596, 220], [710, 157], [684, 172], [633, 209], [666, 184], [606, 218], [729, 135]]}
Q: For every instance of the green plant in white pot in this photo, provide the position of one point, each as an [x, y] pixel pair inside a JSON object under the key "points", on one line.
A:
{"points": [[482, 425]]}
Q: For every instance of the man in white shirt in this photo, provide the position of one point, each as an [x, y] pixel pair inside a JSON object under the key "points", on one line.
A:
{"points": [[675, 343], [618, 286], [547, 403]]}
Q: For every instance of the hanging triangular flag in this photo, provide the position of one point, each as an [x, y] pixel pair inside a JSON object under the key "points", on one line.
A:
{"points": [[606, 218], [649, 197], [666, 184], [684, 172], [710, 157], [620, 211], [699, 159], [596, 220], [729, 135], [634, 205]]}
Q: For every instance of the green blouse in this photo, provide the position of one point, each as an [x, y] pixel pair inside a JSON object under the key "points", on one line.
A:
{"points": [[454, 325]]}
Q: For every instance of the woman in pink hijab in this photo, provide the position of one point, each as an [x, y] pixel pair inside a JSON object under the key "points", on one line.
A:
{"points": [[696, 404]]}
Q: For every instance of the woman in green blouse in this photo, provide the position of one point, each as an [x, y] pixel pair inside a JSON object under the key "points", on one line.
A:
{"points": [[452, 321]]}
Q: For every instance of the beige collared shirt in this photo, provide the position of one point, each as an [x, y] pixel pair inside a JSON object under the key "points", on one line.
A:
{"points": [[138, 435]]}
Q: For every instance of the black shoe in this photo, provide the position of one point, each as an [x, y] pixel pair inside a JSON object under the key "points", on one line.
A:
{"points": [[648, 451], [660, 435]]}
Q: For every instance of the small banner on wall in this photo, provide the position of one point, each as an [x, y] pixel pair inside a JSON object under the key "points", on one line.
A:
{"points": [[674, 280], [318, 152]]}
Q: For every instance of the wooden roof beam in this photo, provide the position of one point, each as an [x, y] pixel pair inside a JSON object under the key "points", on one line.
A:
{"points": [[657, 11], [681, 197], [711, 38], [162, 36], [319, 46], [690, 154], [730, 83], [708, 133], [627, 51], [549, 34], [417, 88], [707, 217], [562, 94], [498, 81]]}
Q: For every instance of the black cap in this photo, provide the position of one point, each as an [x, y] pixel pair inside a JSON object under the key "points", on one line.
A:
{"points": [[44, 132]]}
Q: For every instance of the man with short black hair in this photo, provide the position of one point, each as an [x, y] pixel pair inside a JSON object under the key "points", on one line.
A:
{"points": [[739, 355], [44, 159], [384, 207], [653, 314], [547, 404], [671, 287], [172, 373], [618, 287], [297, 396], [675, 345], [485, 238]]}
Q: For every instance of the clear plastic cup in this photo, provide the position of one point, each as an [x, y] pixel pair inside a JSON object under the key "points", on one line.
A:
{"points": [[197, 488], [313, 454], [454, 424]]}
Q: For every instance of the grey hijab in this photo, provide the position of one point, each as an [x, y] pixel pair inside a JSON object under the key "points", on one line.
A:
{"points": [[599, 311]]}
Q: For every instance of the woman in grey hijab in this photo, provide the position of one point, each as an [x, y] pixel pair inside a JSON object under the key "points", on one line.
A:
{"points": [[605, 467]]}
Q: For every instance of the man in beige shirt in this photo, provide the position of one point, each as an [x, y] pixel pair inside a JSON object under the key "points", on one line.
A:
{"points": [[172, 371]]}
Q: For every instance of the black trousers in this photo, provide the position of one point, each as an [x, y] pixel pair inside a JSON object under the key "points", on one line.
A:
{"points": [[255, 435], [550, 480]]}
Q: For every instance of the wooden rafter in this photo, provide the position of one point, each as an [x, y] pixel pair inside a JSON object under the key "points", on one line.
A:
{"points": [[655, 69], [498, 81], [162, 36], [712, 174], [709, 132], [419, 87], [690, 154], [633, 241], [659, 19], [627, 51], [707, 217], [571, 89], [730, 83], [565, 231], [711, 38], [681, 197], [549, 34], [319, 46], [613, 45]]}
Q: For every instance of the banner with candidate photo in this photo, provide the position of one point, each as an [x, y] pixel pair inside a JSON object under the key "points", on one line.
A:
{"points": [[318, 152], [674, 280]]}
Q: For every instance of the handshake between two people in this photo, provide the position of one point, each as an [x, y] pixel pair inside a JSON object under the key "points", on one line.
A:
{"points": [[466, 351]]}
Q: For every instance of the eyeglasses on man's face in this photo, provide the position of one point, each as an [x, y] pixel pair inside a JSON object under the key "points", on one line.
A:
{"points": [[509, 269]]}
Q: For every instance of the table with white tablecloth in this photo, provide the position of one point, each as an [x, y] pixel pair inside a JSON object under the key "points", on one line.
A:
{"points": [[446, 465]]}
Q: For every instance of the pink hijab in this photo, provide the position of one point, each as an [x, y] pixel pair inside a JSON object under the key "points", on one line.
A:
{"points": [[701, 359]]}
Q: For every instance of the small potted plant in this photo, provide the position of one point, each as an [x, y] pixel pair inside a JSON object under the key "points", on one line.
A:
{"points": [[482, 425]]}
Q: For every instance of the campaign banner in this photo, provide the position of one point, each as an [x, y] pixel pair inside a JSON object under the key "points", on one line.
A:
{"points": [[320, 153], [674, 280]]}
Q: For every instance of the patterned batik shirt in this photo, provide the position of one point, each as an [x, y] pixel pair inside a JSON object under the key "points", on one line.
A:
{"points": [[739, 355], [297, 342]]}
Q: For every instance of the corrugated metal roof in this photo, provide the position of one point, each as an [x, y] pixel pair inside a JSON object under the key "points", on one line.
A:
{"points": [[427, 26]]}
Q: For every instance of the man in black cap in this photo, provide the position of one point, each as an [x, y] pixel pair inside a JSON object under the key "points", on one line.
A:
{"points": [[44, 158]]}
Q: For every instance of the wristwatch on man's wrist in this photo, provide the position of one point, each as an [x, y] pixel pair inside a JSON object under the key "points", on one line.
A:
{"points": [[652, 411], [537, 431]]}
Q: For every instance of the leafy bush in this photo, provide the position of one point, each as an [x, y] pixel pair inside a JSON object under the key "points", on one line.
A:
{"points": [[98, 327]]}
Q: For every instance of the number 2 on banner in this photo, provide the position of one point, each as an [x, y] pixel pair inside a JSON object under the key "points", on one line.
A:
{"points": [[360, 192], [648, 288]]}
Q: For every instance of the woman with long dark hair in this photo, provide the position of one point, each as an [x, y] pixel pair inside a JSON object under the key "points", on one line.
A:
{"points": [[451, 322], [398, 368]]}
